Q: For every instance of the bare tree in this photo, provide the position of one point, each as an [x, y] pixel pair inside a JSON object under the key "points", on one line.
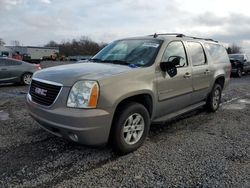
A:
{"points": [[2, 43], [234, 49], [52, 44]]}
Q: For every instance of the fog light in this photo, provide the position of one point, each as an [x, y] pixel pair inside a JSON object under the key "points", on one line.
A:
{"points": [[73, 137]]}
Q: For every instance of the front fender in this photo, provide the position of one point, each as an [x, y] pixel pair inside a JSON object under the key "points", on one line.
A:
{"points": [[135, 93]]}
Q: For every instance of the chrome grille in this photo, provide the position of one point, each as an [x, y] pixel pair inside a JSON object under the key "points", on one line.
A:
{"points": [[44, 93]]}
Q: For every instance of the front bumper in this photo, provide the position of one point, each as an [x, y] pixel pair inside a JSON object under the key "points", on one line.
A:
{"points": [[85, 126]]}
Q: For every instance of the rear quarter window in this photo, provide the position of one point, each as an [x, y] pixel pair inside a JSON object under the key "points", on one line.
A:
{"points": [[217, 52]]}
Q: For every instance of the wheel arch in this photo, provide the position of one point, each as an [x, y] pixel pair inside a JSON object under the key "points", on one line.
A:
{"points": [[144, 98], [220, 80]]}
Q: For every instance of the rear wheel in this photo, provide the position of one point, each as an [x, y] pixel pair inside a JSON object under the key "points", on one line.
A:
{"points": [[239, 72], [26, 79], [130, 128], [214, 98]]}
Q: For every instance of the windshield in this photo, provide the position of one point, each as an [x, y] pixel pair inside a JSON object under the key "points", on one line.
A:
{"points": [[237, 57], [133, 52]]}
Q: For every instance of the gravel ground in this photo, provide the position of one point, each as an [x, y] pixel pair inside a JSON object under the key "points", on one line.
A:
{"points": [[199, 149]]}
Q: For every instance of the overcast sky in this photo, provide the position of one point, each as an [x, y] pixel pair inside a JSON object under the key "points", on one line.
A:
{"points": [[35, 22]]}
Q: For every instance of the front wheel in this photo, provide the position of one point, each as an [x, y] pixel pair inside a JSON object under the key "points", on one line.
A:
{"points": [[130, 128], [214, 98], [26, 79]]}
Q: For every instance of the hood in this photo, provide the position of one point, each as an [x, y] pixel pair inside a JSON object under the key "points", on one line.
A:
{"points": [[69, 74]]}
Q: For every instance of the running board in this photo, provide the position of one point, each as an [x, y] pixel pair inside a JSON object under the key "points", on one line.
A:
{"points": [[178, 113]]}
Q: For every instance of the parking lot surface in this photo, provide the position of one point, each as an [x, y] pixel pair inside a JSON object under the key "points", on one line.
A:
{"points": [[198, 149]]}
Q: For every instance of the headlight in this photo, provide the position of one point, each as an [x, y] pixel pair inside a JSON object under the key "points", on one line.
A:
{"points": [[83, 94]]}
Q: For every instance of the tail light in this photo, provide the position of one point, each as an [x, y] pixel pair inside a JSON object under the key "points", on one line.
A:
{"points": [[38, 67]]}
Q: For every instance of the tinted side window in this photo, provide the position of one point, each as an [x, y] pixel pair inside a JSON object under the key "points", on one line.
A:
{"points": [[217, 52], [12, 63], [197, 53], [175, 49]]}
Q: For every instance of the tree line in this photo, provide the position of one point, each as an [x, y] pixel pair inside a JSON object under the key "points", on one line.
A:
{"points": [[234, 49], [82, 46], [86, 46]]}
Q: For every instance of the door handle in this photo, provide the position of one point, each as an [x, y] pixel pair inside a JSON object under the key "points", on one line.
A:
{"points": [[187, 75], [3, 69], [207, 72]]}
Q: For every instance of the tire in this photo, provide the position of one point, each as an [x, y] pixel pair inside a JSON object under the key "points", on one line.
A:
{"points": [[214, 98], [239, 72], [26, 79], [130, 127]]}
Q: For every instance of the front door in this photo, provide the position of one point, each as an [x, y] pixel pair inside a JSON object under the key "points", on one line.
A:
{"points": [[174, 93]]}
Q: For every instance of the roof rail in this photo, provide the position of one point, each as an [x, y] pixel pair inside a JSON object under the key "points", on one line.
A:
{"points": [[182, 35], [176, 34], [207, 39]]}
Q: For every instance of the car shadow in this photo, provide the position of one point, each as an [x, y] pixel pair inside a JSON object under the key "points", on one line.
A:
{"points": [[188, 121]]}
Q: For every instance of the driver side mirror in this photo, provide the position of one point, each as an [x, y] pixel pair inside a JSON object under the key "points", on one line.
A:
{"points": [[170, 66]]}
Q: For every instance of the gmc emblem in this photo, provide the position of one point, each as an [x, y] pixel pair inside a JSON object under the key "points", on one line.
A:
{"points": [[40, 91]]}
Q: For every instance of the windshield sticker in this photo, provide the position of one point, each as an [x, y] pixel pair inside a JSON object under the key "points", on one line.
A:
{"points": [[148, 44]]}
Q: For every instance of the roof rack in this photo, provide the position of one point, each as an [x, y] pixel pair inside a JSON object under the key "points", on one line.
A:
{"points": [[176, 34], [182, 35], [207, 39]]}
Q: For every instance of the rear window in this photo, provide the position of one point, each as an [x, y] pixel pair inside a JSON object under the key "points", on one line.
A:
{"points": [[217, 53]]}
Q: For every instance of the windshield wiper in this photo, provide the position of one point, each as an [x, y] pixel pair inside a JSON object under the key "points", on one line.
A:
{"points": [[109, 61], [117, 62], [120, 62], [95, 60]]}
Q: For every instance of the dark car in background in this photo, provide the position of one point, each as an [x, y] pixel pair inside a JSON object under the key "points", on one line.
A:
{"points": [[240, 64], [16, 71]]}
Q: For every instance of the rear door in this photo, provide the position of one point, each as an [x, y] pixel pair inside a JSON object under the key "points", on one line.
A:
{"points": [[201, 71], [15, 68]]}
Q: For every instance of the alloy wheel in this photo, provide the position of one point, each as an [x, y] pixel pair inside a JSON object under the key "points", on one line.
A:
{"points": [[216, 98], [27, 79], [133, 128]]}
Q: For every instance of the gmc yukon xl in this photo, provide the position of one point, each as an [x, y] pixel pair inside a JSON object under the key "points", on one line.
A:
{"points": [[127, 86]]}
